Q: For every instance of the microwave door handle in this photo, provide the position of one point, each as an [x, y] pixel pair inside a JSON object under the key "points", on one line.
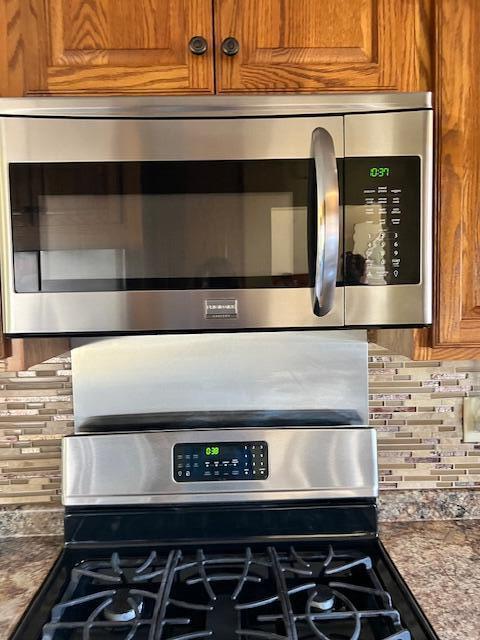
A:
{"points": [[328, 224]]}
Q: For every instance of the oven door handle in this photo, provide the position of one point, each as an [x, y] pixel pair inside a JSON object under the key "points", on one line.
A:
{"points": [[328, 221]]}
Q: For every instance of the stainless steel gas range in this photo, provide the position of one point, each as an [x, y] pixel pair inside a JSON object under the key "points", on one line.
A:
{"points": [[233, 522]]}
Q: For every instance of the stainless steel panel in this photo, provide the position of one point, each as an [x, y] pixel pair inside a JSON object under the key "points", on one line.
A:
{"points": [[272, 371], [150, 311], [396, 134], [387, 305], [67, 140], [138, 468], [208, 106]]}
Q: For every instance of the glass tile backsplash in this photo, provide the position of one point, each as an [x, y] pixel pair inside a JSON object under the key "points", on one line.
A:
{"points": [[416, 408]]}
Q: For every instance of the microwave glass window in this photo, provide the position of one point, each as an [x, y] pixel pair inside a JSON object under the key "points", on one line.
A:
{"points": [[160, 225]]}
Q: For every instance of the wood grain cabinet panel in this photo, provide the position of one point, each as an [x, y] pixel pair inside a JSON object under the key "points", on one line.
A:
{"points": [[318, 45], [455, 333], [458, 149], [107, 46]]}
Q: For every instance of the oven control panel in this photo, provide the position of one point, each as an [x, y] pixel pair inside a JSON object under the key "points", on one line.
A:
{"points": [[382, 220], [211, 461]]}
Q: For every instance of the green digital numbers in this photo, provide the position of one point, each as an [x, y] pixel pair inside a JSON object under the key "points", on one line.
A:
{"points": [[212, 450], [379, 172]]}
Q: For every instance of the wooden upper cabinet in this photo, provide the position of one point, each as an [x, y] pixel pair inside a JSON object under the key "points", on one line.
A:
{"points": [[318, 45], [64, 47], [455, 333], [458, 188]]}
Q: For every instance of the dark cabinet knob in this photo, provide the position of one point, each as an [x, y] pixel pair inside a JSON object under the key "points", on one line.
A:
{"points": [[198, 45], [230, 46]]}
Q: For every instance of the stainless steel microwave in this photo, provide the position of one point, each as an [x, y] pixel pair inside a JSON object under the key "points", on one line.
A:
{"points": [[126, 215]]}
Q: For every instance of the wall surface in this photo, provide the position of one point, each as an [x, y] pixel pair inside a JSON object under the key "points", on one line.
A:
{"points": [[415, 406], [35, 412]]}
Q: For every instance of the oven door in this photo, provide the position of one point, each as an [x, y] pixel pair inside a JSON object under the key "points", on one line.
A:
{"points": [[166, 225]]}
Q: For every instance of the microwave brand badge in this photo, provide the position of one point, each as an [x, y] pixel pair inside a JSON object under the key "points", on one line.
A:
{"points": [[221, 308]]}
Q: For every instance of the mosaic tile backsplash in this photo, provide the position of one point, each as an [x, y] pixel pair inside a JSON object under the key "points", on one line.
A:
{"points": [[35, 412], [415, 406]]}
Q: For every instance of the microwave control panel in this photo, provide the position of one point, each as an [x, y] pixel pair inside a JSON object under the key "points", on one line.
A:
{"points": [[216, 461], [382, 220]]}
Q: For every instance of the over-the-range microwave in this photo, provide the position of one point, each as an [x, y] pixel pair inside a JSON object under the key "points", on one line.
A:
{"points": [[126, 215]]}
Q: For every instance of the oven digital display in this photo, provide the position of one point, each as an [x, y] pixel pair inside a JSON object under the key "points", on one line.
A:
{"points": [[211, 461]]}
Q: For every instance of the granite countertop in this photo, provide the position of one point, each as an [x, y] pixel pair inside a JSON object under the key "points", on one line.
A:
{"points": [[24, 564], [440, 561]]}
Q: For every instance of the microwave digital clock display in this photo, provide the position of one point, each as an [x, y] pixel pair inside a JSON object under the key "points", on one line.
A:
{"points": [[379, 172]]}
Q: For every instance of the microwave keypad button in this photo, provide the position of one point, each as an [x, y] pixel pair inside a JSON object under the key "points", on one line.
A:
{"points": [[382, 238]]}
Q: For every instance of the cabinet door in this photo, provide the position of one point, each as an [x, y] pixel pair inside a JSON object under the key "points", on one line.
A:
{"points": [[313, 45], [458, 188], [455, 333], [104, 47]]}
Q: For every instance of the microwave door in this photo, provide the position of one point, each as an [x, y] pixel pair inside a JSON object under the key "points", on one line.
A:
{"points": [[325, 203], [163, 233]]}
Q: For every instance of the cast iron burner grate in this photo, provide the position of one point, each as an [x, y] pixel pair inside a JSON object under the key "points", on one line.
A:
{"points": [[273, 594]]}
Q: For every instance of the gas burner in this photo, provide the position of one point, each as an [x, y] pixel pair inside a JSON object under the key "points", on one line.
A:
{"points": [[124, 607], [323, 599], [272, 593]]}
